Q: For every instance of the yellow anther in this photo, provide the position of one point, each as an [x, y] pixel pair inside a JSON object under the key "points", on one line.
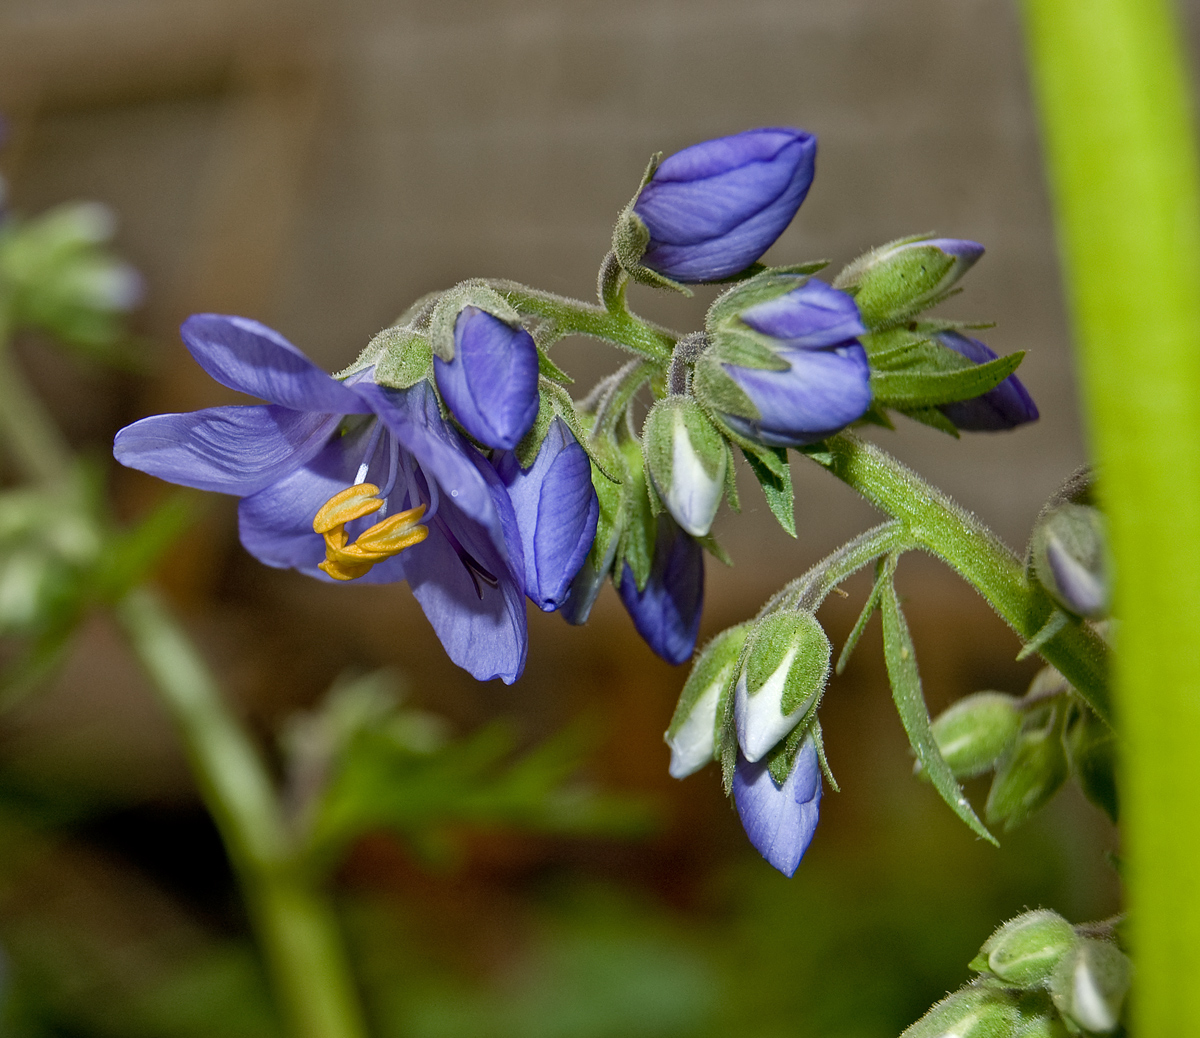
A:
{"points": [[344, 507], [383, 540]]}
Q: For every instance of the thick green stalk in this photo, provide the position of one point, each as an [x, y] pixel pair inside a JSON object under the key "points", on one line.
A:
{"points": [[295, 923], [1114, 97], [938, 525]]}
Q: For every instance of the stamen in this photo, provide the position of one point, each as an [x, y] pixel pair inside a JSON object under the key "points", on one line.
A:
{"points": [[379, 542], [369, 453], [393, 470]]}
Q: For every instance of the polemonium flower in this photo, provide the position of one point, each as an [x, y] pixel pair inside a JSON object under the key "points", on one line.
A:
{"points": [[556, 509], [780, 820], [339, 479], [713, 209], [491, 385], [667, 613], [1002, 407]]}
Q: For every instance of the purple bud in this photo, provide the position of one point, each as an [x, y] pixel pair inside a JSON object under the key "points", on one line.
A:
{"points": [[716, 207], [1002, 407], [780, 820], [556, 509], [667, 613], [813, 316], [491, 385], [821, 392]]}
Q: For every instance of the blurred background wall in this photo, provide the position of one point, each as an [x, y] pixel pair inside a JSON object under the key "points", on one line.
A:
{"points": [[318, 165]]}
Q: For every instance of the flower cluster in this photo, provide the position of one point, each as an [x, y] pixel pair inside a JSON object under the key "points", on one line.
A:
{"points": [[450, 455]]}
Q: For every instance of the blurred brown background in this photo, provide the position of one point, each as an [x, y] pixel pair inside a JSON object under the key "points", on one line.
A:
{"points": [[318, 165]]}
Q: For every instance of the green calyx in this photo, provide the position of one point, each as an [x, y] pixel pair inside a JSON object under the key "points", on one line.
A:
{"points": [[1026, 950], [451, 303], [974, 733]]}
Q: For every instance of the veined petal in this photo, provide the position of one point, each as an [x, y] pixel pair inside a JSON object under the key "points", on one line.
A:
{"points": [[667, 613], [780, 821], [812, 317], [232, 450], [252, 358]]}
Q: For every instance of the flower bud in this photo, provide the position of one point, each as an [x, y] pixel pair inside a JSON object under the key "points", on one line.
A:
{"points": [[687, 459], [556, 509], [1070, 558], [787, 665], [666, 612], [491, 385], [811, 316], [1092, 753], [1037, 1017], [976, 1011], [780, 819], [1090, 984], [713, 209], [1004, 406], [1026, 950], [902, 278], [692, 734], [976, 732], [1028, 776]]}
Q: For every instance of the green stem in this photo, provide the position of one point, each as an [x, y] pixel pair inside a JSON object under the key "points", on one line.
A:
{"points": [[294, 921], [574, 317], [1115, 103], [36, 444], [938, 525]]}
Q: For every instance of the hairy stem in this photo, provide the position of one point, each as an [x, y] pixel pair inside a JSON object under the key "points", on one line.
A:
{"points": [[294, 921], [938, 525]]}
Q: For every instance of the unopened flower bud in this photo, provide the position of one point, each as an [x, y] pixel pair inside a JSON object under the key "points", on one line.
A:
{"points": [[1028, 776], [976, 1011], [1002, 407], [711, 210], [1070, 558], [902, 278], [977, 731], [1026, 950], [692, 734], [491, 384], [780, 817], [1092, 752], [787, 665], [1090, 985], [1037, 1017], [687, 459]]}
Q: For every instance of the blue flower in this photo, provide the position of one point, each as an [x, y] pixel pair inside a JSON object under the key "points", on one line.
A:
{"points": [[1002, 407], [667, 613], [780, 820], [827, 383], [323, 451], [491, 385], [557, 510], [713, 209]]}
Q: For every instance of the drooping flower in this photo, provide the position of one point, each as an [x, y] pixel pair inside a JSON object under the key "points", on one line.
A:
{"points": [[713, 209], [491, 385], [667, 612], [556, 509], [826, 383], [1002, 407], [310, 455], [780, 820]]}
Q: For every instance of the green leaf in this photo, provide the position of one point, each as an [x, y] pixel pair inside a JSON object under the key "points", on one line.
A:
{"points": [[770, 468], [860, 625], [924, 389], [901, 660]]}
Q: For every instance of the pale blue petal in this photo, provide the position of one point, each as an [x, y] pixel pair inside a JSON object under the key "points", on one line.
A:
{"points": [[780, 821]]}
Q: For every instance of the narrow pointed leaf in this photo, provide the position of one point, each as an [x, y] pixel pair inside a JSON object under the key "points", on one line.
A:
{"points": [[926, 389], [776, 482]]}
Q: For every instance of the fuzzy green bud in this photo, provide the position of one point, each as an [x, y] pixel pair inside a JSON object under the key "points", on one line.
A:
{"points": [[686, 459], [1090, 984], [1028, 776], [977, 731], [693, 730], [1092, 753], [1070, 559], [976, 1011], [787, 665], [1026, 950]]}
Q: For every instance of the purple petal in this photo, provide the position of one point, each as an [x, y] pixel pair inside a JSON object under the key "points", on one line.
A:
{"points": [[491, 385], [667, 613], [252, 358], [1002, 407], [556, 510], [823, 391], [232, 450], [780, 821], [813, 316]]}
